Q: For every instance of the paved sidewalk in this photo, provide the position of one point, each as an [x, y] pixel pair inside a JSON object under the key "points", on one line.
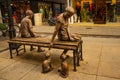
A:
{"points": [[87, 29], [101, 56], [3, 44], [101, 62]]}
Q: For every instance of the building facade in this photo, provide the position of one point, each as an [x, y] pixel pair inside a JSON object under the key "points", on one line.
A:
{"points": [[46, 7], [96, 11]]}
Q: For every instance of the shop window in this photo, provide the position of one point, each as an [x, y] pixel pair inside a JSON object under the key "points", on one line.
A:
{"points": [[45, 9]]}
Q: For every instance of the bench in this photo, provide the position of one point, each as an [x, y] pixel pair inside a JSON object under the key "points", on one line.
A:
{"points": [[76, 47]]}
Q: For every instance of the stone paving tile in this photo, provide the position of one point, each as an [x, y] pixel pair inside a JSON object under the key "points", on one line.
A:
{"points": [[106, 78], [92, 51], [2, 79], [2, 59], [109, 65], [16, 71], [6, 54], [110, 42], [5, 63], [78, 76], [3, 43], [109, 69], [36, 74], [110, 59], [110, 54], [88, 67]]}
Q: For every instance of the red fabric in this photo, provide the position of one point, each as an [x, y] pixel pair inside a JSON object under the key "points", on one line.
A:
{"points": [[78, 7], [90, 7]]}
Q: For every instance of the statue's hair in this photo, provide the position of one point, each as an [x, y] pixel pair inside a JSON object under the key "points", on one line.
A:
{"points": [[29, 12], [70, 10]]}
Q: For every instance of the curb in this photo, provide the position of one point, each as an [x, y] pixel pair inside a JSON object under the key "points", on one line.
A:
{"points": [[88, 35]]}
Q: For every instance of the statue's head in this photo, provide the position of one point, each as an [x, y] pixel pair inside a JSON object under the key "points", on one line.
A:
{"points": [[47, 54], [63, 57], [69, 11], [29, 13]]}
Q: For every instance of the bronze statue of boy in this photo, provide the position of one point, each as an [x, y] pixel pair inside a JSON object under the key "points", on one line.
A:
{"points": [[62, 29], [26, 28]]}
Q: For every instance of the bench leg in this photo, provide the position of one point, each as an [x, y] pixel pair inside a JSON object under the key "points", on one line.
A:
{"points": [[78, 58], [74, 59], [78, 54], [10, 49], [81, 53], [17, 51], [24, 48]]}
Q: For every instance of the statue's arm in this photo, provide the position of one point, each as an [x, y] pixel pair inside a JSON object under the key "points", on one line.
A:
{"points": [[57, 27], [30, 29]]}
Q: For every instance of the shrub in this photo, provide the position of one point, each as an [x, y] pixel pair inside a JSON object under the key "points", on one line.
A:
{"points": [[3, 27]]}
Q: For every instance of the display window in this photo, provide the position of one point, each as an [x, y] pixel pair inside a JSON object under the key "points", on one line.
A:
{"points": [[57, 9], [18, 10], [45, 9]]}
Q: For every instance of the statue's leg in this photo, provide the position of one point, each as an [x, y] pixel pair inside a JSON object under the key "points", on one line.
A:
{"points": [[64, 66], [31, 48], [76, 37], [40, 49], [64, 52]]}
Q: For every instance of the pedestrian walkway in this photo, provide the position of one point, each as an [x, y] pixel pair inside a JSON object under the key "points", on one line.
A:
{"points": [[3, 44], [87, 29], [101, 62], [101, 57], [91, 24]]}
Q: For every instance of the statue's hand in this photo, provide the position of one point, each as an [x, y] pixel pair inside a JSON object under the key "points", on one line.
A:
{"points": [[71, 39], [51, 45]]}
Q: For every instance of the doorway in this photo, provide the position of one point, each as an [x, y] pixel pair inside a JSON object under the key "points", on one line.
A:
{"points": [[100, 12]]}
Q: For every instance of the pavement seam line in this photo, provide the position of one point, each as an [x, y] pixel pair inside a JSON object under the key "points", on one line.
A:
{"points": [[7, 66], [4, 50], [108, 76], [99, 60], [27, 73]]}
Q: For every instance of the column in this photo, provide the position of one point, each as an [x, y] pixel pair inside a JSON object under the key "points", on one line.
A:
{"points": [[114, 2], [0, 17], [69, 3], [12, 32]]}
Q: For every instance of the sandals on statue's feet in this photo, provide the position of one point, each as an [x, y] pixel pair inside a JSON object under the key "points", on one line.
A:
{"points": [[40, 50], [61, 74], [31, 49]]}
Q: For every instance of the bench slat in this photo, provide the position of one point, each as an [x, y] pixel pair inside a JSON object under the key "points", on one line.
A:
{"points": [[45, 41], [45, 45]]}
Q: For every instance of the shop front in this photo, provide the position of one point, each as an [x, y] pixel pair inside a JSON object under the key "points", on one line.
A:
{"points": [[18, 8], [96, 11], [84, 10], [48, 8]]}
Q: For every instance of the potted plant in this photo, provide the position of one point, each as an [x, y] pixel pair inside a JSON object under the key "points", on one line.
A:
{"points": [[3, 29]]}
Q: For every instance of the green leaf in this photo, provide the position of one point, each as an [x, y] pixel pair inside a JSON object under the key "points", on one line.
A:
{"points": [[3, 27]]}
